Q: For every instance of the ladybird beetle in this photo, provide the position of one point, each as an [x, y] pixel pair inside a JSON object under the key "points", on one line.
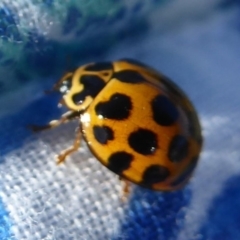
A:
{"points": [[136, 122]]}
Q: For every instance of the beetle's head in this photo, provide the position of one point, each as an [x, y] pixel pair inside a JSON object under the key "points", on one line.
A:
{"points": [[79, 88]]}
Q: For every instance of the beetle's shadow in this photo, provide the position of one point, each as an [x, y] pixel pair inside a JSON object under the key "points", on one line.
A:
{"points": [[154, 215]]}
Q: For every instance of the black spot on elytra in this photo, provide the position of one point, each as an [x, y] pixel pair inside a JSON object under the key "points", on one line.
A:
{"points": [[194, 127], [129, 76], [165, 112], [179, 95], [119, 161], [178, 149], [155, 174], [103, 134], [143, 141], [117, 108], [101, 66], [186, 174], [92, 86]]}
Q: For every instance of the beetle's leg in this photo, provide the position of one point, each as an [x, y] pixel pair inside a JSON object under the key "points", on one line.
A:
{"points": [[68, 116], [62, 156], [126, 188]]}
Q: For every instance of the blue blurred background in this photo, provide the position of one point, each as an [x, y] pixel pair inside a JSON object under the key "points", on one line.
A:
{"points": [[195, 43]]}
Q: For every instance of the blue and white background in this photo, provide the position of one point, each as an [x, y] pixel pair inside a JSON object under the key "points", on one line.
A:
{"points": [[196, 43]]}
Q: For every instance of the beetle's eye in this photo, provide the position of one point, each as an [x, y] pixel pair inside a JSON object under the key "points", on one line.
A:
{"points": [[65, 86]]}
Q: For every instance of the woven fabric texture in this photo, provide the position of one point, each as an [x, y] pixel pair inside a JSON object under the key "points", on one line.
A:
{"points": [[195, 43]]}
